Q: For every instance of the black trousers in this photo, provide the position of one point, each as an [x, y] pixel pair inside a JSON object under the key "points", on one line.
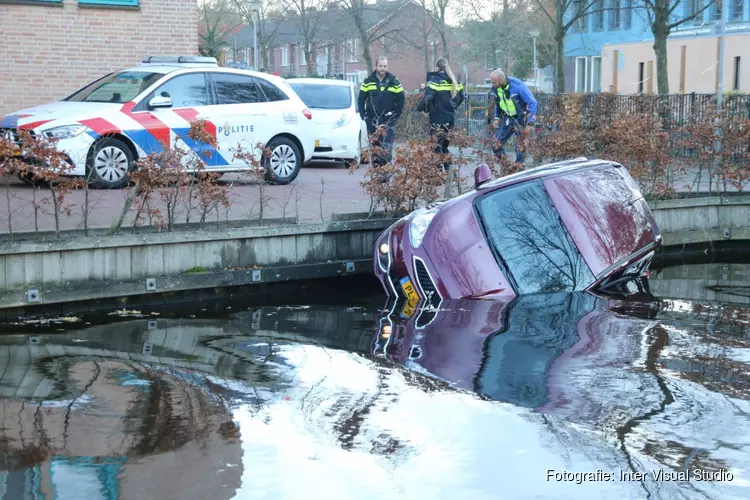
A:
{"points": [[440, 132]]}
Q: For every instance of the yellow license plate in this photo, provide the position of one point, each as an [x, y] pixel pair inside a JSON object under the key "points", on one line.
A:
{"points": [[317, 144], [412, 298]]}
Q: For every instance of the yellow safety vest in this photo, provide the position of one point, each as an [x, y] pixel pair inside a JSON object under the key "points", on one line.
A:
{"points": [[505, 103]]}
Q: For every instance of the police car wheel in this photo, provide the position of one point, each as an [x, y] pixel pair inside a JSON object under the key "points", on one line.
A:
{"points": [[284, 162], [109, 163]]}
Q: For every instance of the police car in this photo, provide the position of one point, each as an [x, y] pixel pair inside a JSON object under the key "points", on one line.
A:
{"points": [[106, 126]]}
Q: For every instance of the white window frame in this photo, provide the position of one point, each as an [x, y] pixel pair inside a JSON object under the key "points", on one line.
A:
{"points": [[285, 55], [302, 56], [590, 83], [351, 50], [585, 74]]}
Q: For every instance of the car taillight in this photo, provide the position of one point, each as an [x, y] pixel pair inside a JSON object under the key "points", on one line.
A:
{"points": [[307, 113]]}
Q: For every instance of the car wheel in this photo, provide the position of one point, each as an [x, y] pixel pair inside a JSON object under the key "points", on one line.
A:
{"points": [[29, 179], [284, 161], [354, 162], [108, 165]]}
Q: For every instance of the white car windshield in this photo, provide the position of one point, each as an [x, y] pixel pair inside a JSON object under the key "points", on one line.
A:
{"points": [[120, 87], [318, 96]]}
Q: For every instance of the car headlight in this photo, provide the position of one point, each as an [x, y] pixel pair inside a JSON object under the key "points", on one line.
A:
{"points": [[343, 121], [65, 132], [418, 227]]}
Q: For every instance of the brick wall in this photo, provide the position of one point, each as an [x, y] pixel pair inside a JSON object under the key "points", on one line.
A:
{"points": [[48, 51]]}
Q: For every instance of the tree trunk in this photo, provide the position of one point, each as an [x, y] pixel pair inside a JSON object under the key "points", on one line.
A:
{"points": [[660, 49], [363, 38], [559, 83], [444, 41], [310, 58]]}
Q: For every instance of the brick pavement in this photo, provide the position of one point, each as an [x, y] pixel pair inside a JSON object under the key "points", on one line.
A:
{"points": [[319, 191]]}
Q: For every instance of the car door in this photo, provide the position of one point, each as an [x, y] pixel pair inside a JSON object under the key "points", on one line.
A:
{"points": [[239, 114], [170, 125]]}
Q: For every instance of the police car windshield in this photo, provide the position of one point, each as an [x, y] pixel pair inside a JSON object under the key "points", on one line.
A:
{"points": [[318, 96], [120, 87]]}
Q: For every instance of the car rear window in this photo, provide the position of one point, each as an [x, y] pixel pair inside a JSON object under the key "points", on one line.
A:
{"points": [[119, 87], [317, 96], [525, 230]]}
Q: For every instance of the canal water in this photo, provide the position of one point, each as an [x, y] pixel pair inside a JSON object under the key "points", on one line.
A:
{"points": [[555, 396]]}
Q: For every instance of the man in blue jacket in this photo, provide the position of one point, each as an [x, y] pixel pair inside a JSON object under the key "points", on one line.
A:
{"points": [[515, 112]]}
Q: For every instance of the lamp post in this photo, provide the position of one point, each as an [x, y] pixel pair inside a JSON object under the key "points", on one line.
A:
{"points": [[721, 29], [255, 8], [535, 34]]}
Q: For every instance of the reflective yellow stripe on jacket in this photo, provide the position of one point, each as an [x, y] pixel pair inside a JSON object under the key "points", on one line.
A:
{"points": [[396, 89], [437, 87], [367, 87], [505, 103]]}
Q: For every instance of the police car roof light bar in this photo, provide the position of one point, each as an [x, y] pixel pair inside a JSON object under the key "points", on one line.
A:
{"points": [[179, 60]]}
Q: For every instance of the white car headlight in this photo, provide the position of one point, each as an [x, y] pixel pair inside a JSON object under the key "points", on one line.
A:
{"points": [[418, 227], [343, 121], [65, 132]]}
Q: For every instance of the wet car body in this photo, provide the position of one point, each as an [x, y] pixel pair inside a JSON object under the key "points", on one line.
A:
{"points": [[563, 227]]}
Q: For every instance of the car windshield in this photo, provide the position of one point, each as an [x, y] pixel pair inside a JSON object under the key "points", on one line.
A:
{"points": [[120, 87], [524, 228], [319, 96]]}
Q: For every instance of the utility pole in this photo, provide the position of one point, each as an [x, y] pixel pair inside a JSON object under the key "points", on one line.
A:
{"points": [[535, 34]]}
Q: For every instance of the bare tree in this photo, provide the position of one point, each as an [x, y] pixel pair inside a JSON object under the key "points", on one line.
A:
{"points": [[369, 33], [439, 10], [267, 23], [420, 38], [662, 20], [217, 21], [494, 30], [565, 14], [306, 15]]}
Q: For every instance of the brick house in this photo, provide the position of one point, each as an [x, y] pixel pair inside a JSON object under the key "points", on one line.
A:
{"points": [[51, 48], [338, 51]]}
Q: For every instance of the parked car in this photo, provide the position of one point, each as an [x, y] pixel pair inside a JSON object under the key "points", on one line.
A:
{"points": [[107, 125], [563, 227], [341, 133]]}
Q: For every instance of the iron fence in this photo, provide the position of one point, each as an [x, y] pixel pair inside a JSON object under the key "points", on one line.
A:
{"points": [[597, 109], [675, 110]]}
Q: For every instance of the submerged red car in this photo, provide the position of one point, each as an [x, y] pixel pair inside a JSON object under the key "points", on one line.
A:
{"points": [[562, 227]]}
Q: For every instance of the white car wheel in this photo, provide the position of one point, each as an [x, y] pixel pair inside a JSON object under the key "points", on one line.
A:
{"points": [[284, 162], [109, 164]]}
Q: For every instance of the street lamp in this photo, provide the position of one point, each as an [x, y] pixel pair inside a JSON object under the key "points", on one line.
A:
{"points": [[255, 8], [534, 34]]}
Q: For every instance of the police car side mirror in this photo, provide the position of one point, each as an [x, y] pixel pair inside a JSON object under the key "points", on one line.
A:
{"points": [[160, 101]]}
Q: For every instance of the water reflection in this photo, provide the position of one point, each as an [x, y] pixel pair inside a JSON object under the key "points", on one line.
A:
{"points": [[471, 399]]}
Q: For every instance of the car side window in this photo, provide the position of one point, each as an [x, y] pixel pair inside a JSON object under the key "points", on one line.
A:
{"points": [[185, 90], [272, 92], [236, 89]]}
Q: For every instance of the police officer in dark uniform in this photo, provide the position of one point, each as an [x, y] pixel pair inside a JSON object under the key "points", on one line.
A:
{"points": [[442, 95], [381, 102]]}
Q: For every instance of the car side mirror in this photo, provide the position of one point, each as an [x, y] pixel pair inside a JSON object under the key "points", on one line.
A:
{"points": [[482, 175], [160, 101]]}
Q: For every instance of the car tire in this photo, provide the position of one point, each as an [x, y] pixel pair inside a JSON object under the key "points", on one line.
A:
{"points": [[109, 164], [29, 179], [283, 163]]}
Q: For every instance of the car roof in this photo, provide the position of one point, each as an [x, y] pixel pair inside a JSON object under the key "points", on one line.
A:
{"points": [[166, 68], [320, 81], [546, 170]]}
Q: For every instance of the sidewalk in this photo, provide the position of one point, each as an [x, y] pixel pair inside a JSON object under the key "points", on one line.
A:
{"points": [[319, 191]]}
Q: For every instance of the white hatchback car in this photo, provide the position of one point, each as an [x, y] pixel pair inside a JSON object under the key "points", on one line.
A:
{"points": [[341, 135], [107, 125]]}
